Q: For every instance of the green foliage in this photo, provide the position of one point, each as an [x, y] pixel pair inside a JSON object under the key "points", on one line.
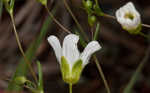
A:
{"points": [[40, 82]]}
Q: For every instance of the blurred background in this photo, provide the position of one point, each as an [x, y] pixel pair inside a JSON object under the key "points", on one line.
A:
{"points": [[119, 57]]}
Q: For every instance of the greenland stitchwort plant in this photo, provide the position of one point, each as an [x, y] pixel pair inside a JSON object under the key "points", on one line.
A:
{"points": [[70, 59], [129, 18]]}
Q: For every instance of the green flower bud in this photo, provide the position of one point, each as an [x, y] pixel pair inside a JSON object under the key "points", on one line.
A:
{"points": [[91, 20], [88, 4], [20, 80]]}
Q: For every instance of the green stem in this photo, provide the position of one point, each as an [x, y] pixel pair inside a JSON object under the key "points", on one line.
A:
{"points": [[54, 19], [101, 74], [70, 88], [75, 19], [21, 49]]}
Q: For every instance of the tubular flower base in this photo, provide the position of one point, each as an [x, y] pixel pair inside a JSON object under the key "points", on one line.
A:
{"points": [[129, 18], [70, 59]]}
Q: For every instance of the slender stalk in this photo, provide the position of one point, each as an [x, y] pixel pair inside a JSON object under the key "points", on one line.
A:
{"points": [[109, 16], [102, 74], [21, 49], [54, 19], [145, 25], [75, 19], [70, 88]]}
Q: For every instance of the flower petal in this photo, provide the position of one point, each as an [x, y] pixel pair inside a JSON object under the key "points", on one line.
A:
{"points": [[70, 49], [92, 47], [54, 42]]}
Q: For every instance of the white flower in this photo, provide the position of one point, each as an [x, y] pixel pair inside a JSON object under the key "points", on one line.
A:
{"points": [[70, 53], [128, 17]]}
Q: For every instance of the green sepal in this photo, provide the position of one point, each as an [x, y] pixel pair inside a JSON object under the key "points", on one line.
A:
{"points": [[71, 76], [76, 71], [9, 5], [134, 31], [65, 70], [43, 2]]}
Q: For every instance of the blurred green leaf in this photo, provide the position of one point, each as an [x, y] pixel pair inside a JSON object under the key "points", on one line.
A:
{"points": [[22, 68], [134, 78], [40, 82]]}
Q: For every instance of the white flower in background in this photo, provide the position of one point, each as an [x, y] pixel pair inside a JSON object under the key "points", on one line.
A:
{"points": [[129, 18], [70, 59]]}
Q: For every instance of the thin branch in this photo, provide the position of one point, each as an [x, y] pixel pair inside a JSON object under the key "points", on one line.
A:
{"points": [[75, 19], [101, 74], [21, 49], [54, 19]]}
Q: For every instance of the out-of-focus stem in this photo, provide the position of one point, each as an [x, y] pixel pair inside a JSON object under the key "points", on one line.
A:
{"points": [[54, 19], [75, 19], [21, 49], [101, 74], [70, 88]]}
